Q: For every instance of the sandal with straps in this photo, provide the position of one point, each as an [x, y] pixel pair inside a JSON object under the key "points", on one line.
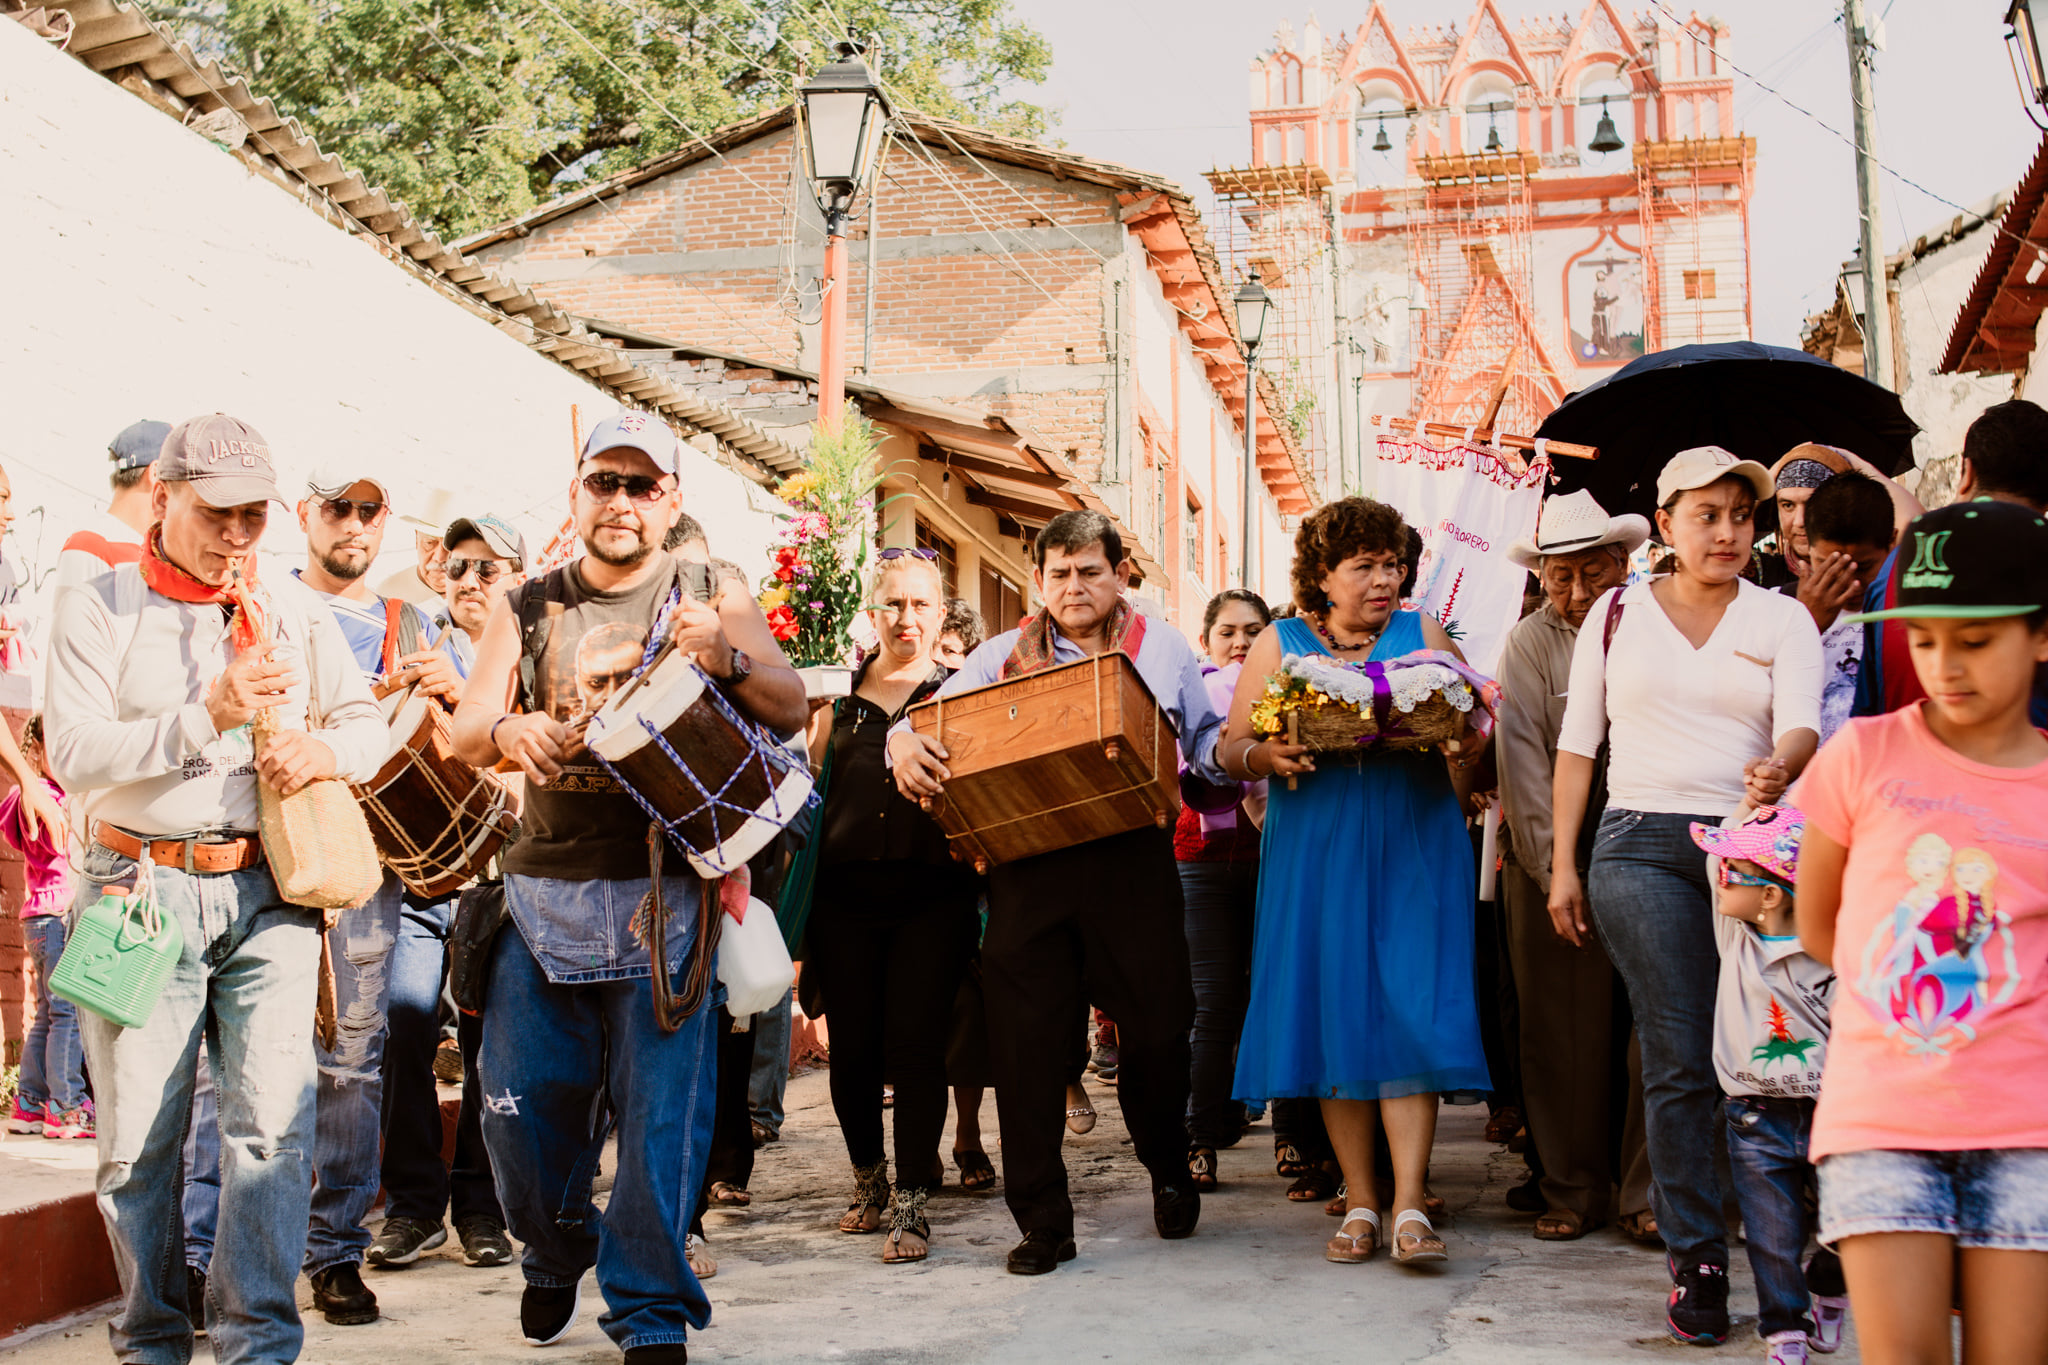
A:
{"points": [[870, 1192], [1288, 1161], [1427, 1247], [977, 1172], [1202, 1168], [907, 1216], [1315, 1183], [1349, 1248]]}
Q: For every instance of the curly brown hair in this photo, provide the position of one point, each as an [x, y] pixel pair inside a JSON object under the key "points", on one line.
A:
{"points": [[1335, 532]]}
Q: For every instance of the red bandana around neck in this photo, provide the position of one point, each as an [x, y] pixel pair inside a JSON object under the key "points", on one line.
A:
{"points": [[250, 623], [1125, 630]]}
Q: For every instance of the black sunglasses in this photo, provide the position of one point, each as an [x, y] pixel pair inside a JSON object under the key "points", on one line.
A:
{"points": [[897, 552], [338, 510], [605, 485], [488, 571]]}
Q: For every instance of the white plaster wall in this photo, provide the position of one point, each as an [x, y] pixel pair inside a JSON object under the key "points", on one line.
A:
{"points": [[1931, 293], [151, 274]]}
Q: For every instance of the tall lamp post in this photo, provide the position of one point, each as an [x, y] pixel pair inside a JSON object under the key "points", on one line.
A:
{"points": [[1253, 306], [844, 116]]}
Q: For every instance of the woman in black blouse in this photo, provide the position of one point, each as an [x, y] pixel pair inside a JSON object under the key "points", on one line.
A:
{"points": [[893, 920]]}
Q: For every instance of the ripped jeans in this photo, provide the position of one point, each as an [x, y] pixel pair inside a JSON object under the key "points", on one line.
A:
{"points": [[243, 987]]}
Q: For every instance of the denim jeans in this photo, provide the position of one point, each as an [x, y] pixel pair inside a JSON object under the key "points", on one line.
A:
{"points": [[1775, 1189], [50, 1060], [1219, 899], [1650, 902], [350, 1116], [770, 1077], [417, 1184], [561, 1064], [202, 1171], [245, 985]]}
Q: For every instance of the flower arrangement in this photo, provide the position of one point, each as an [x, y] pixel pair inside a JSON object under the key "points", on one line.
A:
{"points": [[1415, 701], [817, 587]]}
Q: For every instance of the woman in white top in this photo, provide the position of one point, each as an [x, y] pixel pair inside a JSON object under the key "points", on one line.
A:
{"points": [[1706, 691]]}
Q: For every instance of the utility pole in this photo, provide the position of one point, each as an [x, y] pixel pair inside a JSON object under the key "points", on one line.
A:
{"points": [[1877, 313]]}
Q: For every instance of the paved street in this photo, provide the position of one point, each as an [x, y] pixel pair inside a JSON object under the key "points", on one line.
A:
{"points": [[1250, 1285]]}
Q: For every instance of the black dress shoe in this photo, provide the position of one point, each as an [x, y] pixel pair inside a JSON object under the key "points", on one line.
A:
{"points": [[668, 1353], [340, 1294], [1176, 1210], [1040, 1253]]}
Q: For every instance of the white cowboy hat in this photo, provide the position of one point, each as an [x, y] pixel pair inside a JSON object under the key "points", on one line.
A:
{"points": [[1573, 522]]}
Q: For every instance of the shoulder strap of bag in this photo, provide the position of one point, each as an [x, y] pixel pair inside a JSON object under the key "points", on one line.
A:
{"points": [[394, 612], [1612, 623], [536, 623]]}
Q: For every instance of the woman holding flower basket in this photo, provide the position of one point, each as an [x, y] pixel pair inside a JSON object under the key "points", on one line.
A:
{"points": [[1362, 988]]}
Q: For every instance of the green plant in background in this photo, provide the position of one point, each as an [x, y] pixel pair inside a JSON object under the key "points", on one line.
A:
{"points": [[819, 583], [10, 1086]]}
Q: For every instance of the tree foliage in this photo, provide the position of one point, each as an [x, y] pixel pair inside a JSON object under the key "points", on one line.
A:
{"points": [[473, 111]]}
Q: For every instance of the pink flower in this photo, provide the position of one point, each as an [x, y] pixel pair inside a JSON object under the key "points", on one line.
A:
{"points": [[808, 526]]}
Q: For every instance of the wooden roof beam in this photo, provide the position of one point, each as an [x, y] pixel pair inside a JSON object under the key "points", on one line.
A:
{"points": [[994, 469]]}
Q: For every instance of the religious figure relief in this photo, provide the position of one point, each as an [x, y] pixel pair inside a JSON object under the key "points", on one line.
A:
{"points": [[1606, 308]]}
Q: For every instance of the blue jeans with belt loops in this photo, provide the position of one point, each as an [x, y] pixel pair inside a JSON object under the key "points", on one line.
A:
{"points": [[1652, 907], [562, 1064], [243, 987]]}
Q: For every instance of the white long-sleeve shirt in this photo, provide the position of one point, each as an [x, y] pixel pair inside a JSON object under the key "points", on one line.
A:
{"points": [[129, 737], [1683, 722]]}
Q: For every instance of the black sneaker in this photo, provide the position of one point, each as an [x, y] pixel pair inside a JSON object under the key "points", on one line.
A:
{"points": [[546, 1315], [1698, 1309], [195, 1299], [401, 1241], [668, 1353], [484, 1241], [342, 1297], [1040, 1252], [1175, 1210]]}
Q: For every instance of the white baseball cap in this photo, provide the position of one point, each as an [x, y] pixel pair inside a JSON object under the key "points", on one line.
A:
{"points": [[1702, 465], [641, 431]]}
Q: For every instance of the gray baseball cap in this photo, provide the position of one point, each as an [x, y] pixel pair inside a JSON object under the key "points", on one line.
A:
{"points": [[493, 531], [643, 432], [226, 461], [138, 444]]}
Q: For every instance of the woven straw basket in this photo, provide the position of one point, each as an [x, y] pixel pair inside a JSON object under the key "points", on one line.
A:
{"points": [[1337, 727], [317, 841]]}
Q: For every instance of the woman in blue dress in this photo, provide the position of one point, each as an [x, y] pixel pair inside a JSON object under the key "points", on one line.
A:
{"points": [[1362, 989]]}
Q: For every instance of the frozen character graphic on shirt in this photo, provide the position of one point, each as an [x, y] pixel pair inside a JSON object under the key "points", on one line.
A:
{"points": [[1936, 978], [1893, 952]]}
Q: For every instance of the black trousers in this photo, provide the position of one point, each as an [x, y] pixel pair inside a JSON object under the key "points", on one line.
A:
{"points": [[731, 1158], [893, 941], [1099, 923]]}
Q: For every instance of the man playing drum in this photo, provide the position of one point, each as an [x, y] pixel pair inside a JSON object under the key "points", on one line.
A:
{"points": [[156, 670], [1101, 921], [570, 969], [485, 556]]}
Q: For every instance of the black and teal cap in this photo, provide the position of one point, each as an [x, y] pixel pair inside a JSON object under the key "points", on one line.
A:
{"points": [[1970, 561]]}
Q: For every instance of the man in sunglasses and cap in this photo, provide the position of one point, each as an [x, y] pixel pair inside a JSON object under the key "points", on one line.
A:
{"points": [[157, 668], [483, 557], [570, 969]]}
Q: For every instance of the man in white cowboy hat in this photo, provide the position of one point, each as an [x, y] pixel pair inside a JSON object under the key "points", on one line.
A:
{"points": [[1566, 994]]}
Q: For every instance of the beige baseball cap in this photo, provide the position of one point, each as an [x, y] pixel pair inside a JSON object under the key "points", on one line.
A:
{"points": [[1702, 465]]}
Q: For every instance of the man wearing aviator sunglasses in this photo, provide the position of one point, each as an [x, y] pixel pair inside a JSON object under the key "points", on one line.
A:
{"points": [[569, 969]]}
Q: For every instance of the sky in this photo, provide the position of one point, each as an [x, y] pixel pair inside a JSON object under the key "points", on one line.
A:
{"points": [[1161, 85]]}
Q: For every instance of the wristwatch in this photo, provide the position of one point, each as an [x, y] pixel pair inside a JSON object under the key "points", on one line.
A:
{"points": [[742, 669]]}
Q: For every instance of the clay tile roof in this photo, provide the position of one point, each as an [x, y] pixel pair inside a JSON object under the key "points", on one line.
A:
{"points": [[123, 44], [1994, 330]]}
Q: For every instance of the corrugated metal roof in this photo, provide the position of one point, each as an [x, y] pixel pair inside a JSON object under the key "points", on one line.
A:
{"points": [[127, 47]]}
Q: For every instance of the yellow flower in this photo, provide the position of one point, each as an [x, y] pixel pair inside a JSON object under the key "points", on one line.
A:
{"points": [[774, 597], [797, 487]]}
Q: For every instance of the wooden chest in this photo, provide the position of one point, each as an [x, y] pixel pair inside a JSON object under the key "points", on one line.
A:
{"points": [[1052, 759]]}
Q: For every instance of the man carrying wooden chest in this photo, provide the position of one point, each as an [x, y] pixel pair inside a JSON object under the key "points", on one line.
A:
{"points": [[1098, 922]]}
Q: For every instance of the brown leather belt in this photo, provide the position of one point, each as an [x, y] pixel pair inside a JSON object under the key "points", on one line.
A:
{"points": [[187, 855]]}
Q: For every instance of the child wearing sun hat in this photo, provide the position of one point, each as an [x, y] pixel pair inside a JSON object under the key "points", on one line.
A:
{"points": [[1771, 1029]]}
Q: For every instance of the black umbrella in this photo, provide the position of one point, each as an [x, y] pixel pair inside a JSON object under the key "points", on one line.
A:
{"points": [[1758, 401]]}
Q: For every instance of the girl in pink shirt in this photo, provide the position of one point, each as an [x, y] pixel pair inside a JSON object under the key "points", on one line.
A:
{"points": [[1924, 879]]}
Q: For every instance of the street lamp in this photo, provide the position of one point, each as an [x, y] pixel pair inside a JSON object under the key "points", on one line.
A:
{"points": [[1253, 305], [2025, 41], [844, 116]]}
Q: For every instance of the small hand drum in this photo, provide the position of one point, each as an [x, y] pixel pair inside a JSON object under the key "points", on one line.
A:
{"points": [[436, 820]]}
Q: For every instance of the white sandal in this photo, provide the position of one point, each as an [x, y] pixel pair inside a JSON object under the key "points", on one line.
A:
{"points": [[702, 1265], [1428, 1247], [1353, 1254]]}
